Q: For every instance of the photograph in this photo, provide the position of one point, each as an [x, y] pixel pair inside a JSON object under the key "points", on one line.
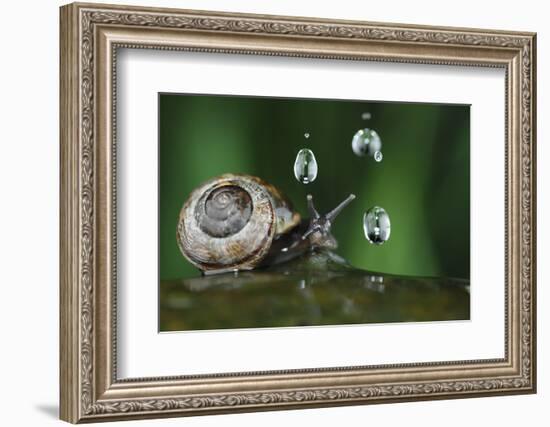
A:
{"points": [[292, 212], [263, 211]]}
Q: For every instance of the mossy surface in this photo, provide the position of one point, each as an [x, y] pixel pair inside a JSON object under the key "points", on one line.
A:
{"points": [[319, 288]]}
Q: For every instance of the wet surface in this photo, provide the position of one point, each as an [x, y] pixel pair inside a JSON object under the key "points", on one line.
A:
{"points": [[316, 289]]}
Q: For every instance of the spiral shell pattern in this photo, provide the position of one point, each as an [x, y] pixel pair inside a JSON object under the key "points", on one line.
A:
{"points": [[224, 211], [229, 222]]}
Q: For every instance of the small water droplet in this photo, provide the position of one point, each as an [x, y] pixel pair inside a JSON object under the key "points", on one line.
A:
{"points": [[375, 283], [305, 166], [366, 141], [376, 225], [378, 156], [306, 135], [366, 116]]}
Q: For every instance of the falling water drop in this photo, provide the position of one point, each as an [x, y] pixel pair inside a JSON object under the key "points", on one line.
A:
{"points": [[378, 156], [366, 141], [376, 224], [366, 116], [305, 166], [306, 135]]}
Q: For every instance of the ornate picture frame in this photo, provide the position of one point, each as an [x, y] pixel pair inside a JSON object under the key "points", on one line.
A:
{"points": [[90, 37]]}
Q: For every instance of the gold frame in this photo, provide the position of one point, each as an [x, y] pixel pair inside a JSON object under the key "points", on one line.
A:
{"points": [[90, 36]]}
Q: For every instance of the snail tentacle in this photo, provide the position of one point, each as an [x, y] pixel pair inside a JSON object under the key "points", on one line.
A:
{"points": [[311, 207], [318, 231], [334, 213]]}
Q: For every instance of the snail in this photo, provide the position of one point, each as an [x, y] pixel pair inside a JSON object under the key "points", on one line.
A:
{"points": [[240, 222]]}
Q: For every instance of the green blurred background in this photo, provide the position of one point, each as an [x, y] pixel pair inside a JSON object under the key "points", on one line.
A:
{"points": [[423, 181]]}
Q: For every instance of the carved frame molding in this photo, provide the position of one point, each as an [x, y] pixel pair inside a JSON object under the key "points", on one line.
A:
{"points": [[90, 37]]}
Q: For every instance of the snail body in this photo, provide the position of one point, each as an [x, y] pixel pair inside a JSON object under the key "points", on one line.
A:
{"points": [[240, 222]]}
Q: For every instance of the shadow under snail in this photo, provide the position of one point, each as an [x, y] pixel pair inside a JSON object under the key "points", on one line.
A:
{"points": [[240, 222]]}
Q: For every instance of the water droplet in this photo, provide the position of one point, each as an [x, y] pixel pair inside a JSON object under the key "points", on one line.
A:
{"points": [[376, 224], [305, 166], [306, 135], [378, 156], [377, 279], [366, 141], [375, 283], [366, 116]]}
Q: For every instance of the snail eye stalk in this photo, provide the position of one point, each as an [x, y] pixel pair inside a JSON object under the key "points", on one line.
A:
{"points": [[334, 213], [322, 223], [311, 207]]}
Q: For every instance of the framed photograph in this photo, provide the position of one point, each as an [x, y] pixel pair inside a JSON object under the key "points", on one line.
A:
{"points": [[265, 212]]}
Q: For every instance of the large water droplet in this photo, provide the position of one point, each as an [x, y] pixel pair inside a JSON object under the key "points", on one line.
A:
{"points": [[376, 224], [366, 141], [305, 166], [378, 156]]}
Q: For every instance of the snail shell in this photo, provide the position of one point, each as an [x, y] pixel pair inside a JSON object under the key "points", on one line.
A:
{"points": [[230, 222]]}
